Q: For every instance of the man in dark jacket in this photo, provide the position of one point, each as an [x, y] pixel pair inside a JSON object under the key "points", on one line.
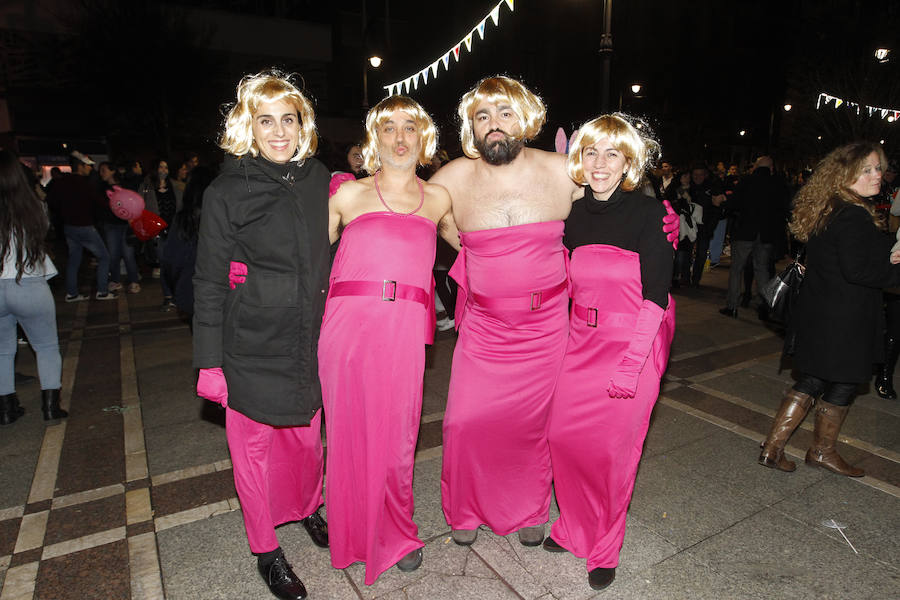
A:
{"points": [[707, 192], [759, 209]]}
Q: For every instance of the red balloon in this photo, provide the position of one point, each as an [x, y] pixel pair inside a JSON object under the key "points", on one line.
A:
{"points": [[147, 226]]}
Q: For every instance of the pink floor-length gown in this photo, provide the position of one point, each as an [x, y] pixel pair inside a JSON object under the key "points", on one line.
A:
{"points": [[496, 463], [596, 441], [371, 365]]}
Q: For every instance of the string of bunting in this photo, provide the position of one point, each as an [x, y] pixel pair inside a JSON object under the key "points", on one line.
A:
{"points": [[826, 99], [413, 80]]}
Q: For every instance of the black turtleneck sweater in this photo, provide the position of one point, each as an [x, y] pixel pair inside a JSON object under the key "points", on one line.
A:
{"points": [[631, 221]]}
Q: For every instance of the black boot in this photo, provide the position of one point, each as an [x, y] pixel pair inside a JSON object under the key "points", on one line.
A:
{"points": [[10, 410], [884, 380], [50, 405], [281, 579]]}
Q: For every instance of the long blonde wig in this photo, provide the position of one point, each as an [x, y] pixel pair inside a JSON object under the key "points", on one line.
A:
{"points": [[380, 113], [829, 187], [529, 108], [253, 90], [640, 150]]}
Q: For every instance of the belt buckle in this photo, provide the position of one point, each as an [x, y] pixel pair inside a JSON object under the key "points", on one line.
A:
{"points": [[389, 290], [592, 317], [536, 298]]}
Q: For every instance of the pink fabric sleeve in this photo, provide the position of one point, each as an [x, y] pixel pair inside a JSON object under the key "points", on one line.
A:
{"points": [[623, 382], [212, 386], [237, 273], [337, 180]]}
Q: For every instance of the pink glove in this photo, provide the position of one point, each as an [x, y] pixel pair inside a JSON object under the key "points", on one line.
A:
{"points": [[237, 273], [623, 382], [211, 385], [336, 182], [671, 224]]}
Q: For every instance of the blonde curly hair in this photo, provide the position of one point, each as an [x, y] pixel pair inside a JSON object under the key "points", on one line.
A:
{"points": [[381, 113], [640, 150], [529, 108], [829, 188], [266, 86]]}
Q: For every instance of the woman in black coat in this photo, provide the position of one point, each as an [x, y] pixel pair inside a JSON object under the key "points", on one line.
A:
{"points": [[259, 293], [839, 320]]}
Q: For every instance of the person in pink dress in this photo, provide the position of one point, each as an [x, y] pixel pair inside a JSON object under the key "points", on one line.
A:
{"points": [[378, 318], [620, 329], [259, 294]]}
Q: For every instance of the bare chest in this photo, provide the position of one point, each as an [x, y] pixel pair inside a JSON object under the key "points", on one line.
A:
{"points": [[489, 204]]}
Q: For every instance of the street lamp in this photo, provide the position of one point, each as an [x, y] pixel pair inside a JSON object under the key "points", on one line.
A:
{"points": [[787, 107], [375, 62], [635, 89], [881, 54], [742, 132]]}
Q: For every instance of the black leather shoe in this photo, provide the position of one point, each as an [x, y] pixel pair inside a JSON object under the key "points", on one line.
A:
{"points": [[410, 562], [728, 312], [317, 529], [282, 581], [601, 577], [50, 405], [550, 545]]}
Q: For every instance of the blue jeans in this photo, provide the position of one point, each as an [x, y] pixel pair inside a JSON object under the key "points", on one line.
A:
{"points": [[717, 242], [79, 238], [115, 234], [29, 303]]}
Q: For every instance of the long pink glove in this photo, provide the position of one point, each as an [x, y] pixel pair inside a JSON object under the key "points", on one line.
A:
{"points": [[237, 273], [211, 385], [671, 224], [337, 180], [623, 382]]}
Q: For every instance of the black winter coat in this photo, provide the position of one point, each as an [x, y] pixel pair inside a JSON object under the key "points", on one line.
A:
{"points": [[839, 320], [265, 332]]}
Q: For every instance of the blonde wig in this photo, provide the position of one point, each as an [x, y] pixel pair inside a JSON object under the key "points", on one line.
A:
{"points": [[528, 107], [639, 149], [381, 113], [252, 91], [829, 187]]}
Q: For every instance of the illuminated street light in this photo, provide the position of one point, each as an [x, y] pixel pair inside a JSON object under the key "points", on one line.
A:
{"points": [[636, 88], [891, 119], [819, 138], [787, 107], [881, 55], [742, 132], [375, 61], [882, 142]]}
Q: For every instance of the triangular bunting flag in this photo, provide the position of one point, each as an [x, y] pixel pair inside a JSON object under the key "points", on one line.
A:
{"points": [[884, 112], [424, 74], [456, 52], [406, 84], [495, 15], [415, 79], [468, 41], [481, 28], [434, 67], [871, 110], [838, 102], [510, 3], [446, 59]]}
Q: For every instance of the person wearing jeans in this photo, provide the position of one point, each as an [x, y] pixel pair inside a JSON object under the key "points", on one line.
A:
{"points": [[116, 241], [78, 239]]}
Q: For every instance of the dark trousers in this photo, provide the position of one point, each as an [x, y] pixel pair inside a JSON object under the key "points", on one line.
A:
{"points": [[833, 392]]}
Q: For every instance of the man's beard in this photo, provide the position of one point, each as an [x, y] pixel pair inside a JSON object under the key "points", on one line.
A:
{"points": [[499, 152]]}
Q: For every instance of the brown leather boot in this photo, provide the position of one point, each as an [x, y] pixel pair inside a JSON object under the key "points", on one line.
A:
{"points": [[792, 412], [829, 418]]}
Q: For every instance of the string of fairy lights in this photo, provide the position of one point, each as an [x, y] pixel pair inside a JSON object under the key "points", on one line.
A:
{"points": [[431, 70]]}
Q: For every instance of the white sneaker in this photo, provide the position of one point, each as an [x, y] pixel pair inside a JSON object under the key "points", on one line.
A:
{"points": [[446, 324], [76, 298], [106, 296]]}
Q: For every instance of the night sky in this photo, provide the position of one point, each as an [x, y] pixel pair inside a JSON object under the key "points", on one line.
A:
{"points": [[708, 69]]}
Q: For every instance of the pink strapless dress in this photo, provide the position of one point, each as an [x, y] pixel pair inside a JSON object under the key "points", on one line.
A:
{"points": [[371, 364], [512, 321], [596, 441]]}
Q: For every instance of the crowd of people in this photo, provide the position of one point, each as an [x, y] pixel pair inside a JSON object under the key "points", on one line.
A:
{"points": [[312, 295]]}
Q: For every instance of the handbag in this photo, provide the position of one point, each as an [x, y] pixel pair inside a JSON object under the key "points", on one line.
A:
{"points": [[781, 291]]}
